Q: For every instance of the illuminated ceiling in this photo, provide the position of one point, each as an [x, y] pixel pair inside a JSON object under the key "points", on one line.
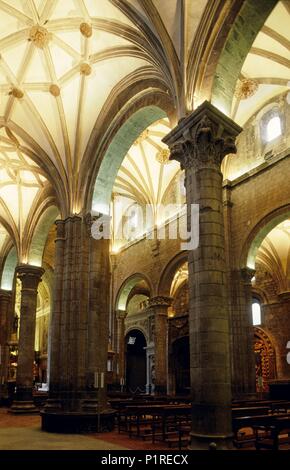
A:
{"points": [[266, 70], [145, 177], [274, 255], [21, 184], [58, 65], [62, 62], [146, 170], [180, 277]]}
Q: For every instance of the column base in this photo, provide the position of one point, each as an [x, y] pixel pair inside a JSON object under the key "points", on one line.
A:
{"points": [[210, 442], [23, 407], [82, 416], [77, 422]]}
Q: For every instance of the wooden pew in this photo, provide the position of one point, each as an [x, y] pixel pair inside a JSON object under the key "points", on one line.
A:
{"points": [[279, 424]]}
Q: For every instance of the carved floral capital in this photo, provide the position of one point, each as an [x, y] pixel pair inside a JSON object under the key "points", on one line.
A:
{"points": [[203, 139]]}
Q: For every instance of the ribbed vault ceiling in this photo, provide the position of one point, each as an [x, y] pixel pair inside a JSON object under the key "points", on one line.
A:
{"points": [[146, 171], [267, 65], [144, 178]]}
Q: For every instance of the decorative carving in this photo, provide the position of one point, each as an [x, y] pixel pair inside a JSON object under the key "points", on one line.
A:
{"points": [[54, 90], [121, 314], [203, 138], [202, 148], [30, 276], [162, 156], [85, 69], [86, 30], [17, 93], [246, 88], [160, 301], [247, 275], [39, 36], [265, 360]]}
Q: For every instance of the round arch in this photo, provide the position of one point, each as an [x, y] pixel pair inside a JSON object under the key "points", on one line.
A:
{"points": [[260, 231], [126, 288], [247, 25], [138, 328], [169, 271], [118, 148]]}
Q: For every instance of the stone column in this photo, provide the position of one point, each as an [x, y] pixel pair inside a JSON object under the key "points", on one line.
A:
{"points": [[276, 324], [160, 307], [30, 277], [98, 319], [199, 143], [54, 336], [5, 321], [79, 325], [121, 315], [247, 327]]}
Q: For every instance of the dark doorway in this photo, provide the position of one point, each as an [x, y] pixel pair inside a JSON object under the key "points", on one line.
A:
{"points": [[180, 354], [135, 344]]}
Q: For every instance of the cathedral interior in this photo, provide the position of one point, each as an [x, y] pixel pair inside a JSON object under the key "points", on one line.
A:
{"points": [[145, 223]]}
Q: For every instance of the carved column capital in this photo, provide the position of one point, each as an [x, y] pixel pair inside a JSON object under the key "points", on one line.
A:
{"points": [[247, 274], [203, 139], [121, 314], [160, 301], [30, 276], [60, 229]]}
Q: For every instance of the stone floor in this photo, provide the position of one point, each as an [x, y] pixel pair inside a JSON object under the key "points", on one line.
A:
{"points": [[24, 433]]}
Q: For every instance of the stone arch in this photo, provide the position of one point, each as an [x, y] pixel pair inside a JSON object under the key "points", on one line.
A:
{"points": [[138, 328], [169, 271], [260, 231], [116, 151], [9, 269], [126, 288], [259, 294], [247, 25], [39, 238]]}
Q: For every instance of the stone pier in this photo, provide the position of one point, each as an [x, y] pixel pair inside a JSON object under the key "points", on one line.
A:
{"points": [[199, 143], [30, 276]]}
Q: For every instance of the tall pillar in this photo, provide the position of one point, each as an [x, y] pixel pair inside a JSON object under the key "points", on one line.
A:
{"points": [[199, 143], [121, 315], [160, 306], [54, 334], [98, 319], [247, 326], [79, 330], [5, 321], [30, 277]]}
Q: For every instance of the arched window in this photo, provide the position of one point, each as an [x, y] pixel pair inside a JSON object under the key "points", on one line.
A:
{"points": [[256, 313], [273, 129]]}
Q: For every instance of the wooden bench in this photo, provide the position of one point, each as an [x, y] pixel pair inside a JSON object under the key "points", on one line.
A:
{"points": [[279, 424], [259, 422]]}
